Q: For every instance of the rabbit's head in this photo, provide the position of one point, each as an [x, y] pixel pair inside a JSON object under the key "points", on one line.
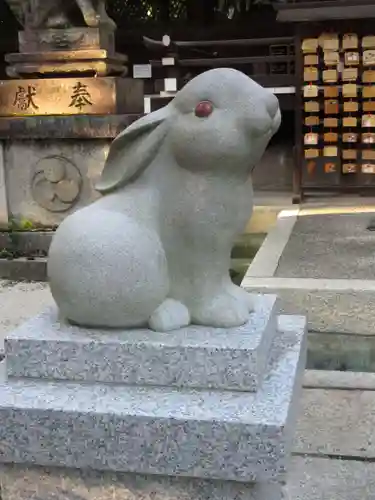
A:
{"points": [[220, 120], [223, 119]]}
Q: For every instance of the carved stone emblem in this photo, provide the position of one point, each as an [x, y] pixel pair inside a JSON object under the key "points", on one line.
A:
{"points": [[56, 184]]}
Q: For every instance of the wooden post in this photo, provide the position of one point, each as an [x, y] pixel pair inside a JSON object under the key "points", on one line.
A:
{"points": [[298, 118]]}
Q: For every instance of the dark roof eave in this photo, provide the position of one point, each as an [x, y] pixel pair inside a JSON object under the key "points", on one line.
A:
{"points": [[316, 11]]}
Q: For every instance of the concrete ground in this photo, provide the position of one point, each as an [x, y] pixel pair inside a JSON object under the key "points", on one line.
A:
{"points": [[330, 246], [321, 263], [268, 204], [20, 301], [334, 446]]}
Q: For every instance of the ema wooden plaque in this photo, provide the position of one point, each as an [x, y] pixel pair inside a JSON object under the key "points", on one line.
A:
{"points": [[330, 168], [311, 139], [350, 74], [350, 41], [368, 168], [330, 137], [349, 121], [351, 137], [312, 107], [331, 42], [331, 91], [368, 138], [368, 42], [351, 58], [331, 58], [350, 90], [310, 74], [330, 122], [310, 91], [368, 154], [311, 60], [349, 168], [312, 121], [330, 151], [368, 76], [310, 45], [368, 106], [311, 153], [351, 106], [330, 75], [368, 91], [331, 107], [349, 154], [369, 58], [368, 121]]}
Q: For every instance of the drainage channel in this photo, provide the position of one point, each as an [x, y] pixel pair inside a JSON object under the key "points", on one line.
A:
{"points": [[343, 352]]}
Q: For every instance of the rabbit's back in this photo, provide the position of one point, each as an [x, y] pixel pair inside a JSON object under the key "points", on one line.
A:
{"points": [[106, 269]]}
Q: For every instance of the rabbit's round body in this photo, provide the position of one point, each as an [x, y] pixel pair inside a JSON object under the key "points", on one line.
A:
{"points": [[156, 248]]}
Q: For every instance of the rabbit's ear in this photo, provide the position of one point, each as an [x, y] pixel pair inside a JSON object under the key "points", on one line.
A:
{"points": [[132, 150]]}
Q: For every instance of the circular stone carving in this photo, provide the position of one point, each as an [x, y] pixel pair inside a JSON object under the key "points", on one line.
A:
{"points": [[67, 191], [56, 184], [54, 171]]}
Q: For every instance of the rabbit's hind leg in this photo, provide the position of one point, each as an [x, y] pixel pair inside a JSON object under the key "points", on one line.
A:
{"points": [[242, 295], [221, 310], [170, 315]]}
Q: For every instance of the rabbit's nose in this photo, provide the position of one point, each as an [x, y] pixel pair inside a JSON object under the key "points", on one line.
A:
{"points": [[272, 104]]}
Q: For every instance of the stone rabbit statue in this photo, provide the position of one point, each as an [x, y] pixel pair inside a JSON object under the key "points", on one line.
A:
{"points": [[155, 249]]}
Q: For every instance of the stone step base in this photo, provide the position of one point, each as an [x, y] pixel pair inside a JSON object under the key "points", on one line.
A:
{"points": [[49, 348], [227, 435]]}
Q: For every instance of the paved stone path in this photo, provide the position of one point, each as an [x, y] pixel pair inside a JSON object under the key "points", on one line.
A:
{"points": [[330, 247]]}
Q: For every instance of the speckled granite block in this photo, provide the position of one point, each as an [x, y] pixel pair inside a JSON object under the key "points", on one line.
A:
{"points": [[196, 357], [240, 436], [38, 483]]}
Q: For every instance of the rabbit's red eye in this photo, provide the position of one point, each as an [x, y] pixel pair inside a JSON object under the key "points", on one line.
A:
{"points": [[203, 109]]}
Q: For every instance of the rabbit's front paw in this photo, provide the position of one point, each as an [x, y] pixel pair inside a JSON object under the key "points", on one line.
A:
{"points": [[221, 311], [170, 315]]}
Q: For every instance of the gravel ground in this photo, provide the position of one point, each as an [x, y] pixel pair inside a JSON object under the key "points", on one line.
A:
{"points": [[19, 302]]}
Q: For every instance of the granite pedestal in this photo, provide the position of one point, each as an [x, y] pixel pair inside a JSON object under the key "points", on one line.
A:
{"points": [[195, 413]]}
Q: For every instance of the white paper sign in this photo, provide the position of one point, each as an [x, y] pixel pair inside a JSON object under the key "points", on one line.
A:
{"points": [[142, 71]]}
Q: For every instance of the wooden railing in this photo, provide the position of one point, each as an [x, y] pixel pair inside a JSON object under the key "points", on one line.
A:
{"points": [[269, 61]]}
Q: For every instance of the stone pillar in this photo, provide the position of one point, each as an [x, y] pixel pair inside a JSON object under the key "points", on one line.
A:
{"points": [[196, 413], [62, 80], [50, 164]]}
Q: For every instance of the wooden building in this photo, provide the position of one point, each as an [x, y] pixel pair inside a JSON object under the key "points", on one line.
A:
{"points": [[335, 101]]}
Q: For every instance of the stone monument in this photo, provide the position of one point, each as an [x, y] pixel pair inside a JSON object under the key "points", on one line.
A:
{"points": [[156, 377], [62, 37], [67, 96]]}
